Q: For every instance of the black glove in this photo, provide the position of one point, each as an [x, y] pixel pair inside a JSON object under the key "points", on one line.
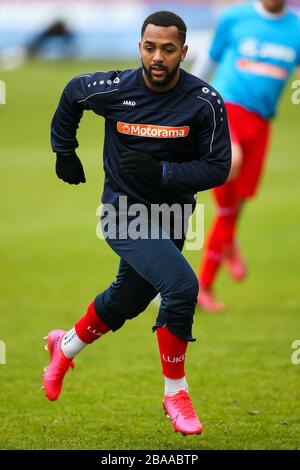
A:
{"points": [[69, 168], [141, 165]]}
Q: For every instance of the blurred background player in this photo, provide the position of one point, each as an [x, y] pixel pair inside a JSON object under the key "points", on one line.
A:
{"points": [[255, 49], [191, 153], [57, 29], [14, 56]]}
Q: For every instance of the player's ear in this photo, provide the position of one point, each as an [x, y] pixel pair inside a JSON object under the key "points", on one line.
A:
{"points": [[140, 46], [184, 52]]}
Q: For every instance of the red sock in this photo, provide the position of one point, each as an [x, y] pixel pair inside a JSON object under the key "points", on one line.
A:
{"points": [[219, 239], [221, 235], [90, 327], [172, 353]]}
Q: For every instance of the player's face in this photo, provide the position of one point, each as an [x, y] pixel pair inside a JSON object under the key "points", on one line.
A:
{"points": [[274, 6], [161, 54]]}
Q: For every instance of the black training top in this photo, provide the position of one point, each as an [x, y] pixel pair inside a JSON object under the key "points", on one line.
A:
{"points": [[186, 128]]}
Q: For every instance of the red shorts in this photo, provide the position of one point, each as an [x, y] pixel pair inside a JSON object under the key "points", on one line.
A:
{"points": [[251, 132]]}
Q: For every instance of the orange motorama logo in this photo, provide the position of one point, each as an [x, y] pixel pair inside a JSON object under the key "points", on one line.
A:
{"points": [[149, 130]]}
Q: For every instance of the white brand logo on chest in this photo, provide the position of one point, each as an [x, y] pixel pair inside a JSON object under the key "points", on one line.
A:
{"points": [[129, 103]]}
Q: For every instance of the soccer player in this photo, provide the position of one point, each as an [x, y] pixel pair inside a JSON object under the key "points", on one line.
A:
{"points": [[166, 137], [255, 49]]}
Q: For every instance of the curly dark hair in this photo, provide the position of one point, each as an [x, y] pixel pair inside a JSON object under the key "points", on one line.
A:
{"points": [[166, 18]]}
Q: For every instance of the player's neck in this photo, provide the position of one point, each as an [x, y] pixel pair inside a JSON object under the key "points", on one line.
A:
{"points": [[263, 11], [159, 89]]}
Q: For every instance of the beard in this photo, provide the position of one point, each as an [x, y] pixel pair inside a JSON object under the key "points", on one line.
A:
{"points": [[277, 7], [169, 75]]}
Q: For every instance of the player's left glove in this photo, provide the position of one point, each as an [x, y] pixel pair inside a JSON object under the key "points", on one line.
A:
{"points": [[142, 165]]}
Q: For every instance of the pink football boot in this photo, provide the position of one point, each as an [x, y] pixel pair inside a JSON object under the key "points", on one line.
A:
{"points": [[180, 410], [235, 263], [207, 302], [59, 364]]}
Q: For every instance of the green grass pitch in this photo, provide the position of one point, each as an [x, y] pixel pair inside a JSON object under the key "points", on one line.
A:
{"points": [[241, 377]]}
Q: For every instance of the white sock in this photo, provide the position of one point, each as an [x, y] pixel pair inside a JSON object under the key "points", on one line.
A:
{"points": [[71, 344], [173, 386]]}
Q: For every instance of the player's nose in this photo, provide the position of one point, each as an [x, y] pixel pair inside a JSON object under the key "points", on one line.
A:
{"points": [[157, 58]]}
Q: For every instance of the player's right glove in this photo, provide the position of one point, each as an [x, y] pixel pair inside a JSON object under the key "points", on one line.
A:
{"points": [[69, 168]]}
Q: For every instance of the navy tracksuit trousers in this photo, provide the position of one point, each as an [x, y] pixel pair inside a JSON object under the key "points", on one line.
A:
{"points": [[149, 266]]}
